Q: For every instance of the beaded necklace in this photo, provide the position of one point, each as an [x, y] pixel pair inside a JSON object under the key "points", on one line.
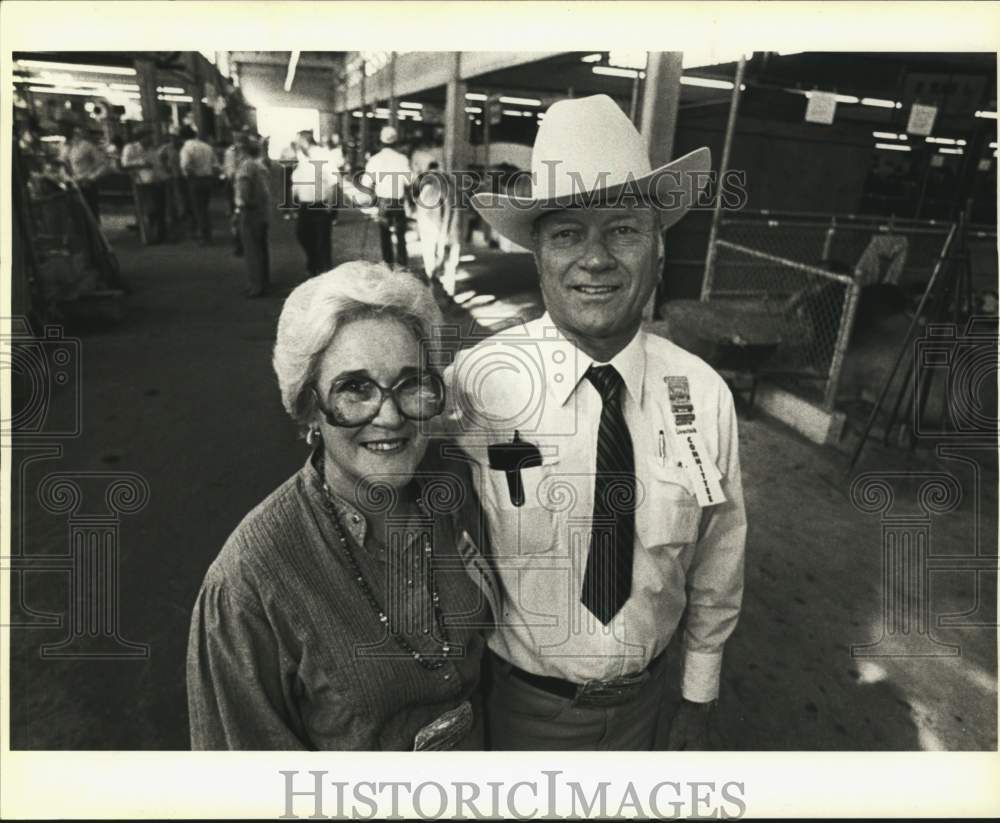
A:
{"points": [[431, 661]]}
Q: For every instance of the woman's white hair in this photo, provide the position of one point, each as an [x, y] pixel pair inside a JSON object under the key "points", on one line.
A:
{"points": [[318, 307]]}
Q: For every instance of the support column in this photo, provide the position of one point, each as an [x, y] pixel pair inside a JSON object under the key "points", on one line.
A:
{"points": [[660, 98], [359, 160], [393, 105], [197, 92], [145, 71], [455, 122]]}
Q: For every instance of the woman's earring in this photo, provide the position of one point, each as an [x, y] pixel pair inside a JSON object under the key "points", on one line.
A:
{"points": [[313, 436]]}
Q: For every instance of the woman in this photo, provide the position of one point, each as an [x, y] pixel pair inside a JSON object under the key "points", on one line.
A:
{"points": [[340, 613]]}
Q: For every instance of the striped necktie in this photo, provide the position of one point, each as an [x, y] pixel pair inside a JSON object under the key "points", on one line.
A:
{"points": [[607, 582]]}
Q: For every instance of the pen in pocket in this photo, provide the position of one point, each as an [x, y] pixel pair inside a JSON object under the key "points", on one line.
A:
{"points": [[663, 448]]}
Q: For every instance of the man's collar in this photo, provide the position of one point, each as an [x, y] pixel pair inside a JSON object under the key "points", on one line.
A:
{"points": [[630, 363]]}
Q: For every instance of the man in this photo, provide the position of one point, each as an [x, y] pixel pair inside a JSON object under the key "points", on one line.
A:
{"points": [[198, 166], [388, 174], [607, 457], [85, 163], [142, 161], [314, 183], [253, 210], [231, 162]]}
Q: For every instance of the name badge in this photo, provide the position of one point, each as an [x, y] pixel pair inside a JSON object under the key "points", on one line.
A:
{"points": [[700, 468]]}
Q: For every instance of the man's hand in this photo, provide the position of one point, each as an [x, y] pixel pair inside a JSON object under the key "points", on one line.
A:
{"points": [[693, 727]]}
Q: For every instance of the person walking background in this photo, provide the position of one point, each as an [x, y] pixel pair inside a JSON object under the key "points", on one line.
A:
{"points": [[252, 198], [314, 182], [198, 166], [389, 176], [85, 163]]}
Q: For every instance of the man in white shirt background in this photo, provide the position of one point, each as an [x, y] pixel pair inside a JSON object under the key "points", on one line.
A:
{"points": [[607, 458], [314, 189], [198, 165], [143, 161], [388, 175], [85, 163]]}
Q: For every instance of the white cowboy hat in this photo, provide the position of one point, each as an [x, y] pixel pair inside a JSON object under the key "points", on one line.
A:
{"points": [[587, 150]]}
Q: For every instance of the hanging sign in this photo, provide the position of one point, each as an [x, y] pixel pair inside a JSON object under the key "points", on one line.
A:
{"points": [[921, 119], [822, 107]]}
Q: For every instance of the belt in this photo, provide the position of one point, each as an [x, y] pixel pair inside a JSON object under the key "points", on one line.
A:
{"points": [[592, 693]]}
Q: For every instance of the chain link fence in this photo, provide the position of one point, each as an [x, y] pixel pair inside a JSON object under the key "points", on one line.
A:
{"points": [[805, 272]]}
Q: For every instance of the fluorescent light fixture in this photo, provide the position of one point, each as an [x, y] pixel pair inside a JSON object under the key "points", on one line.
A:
{"points": [[626, 59], [472, 95], [987, 115], [168, 90], [512, 112], [611, 71], [520, 101], [48, 64], [892, 146], [945, 141], [888, 135], [407, 105], [175, 98], [356, 114], [126, 86], [879, 103], [993, 145], [78, 92], [596, 57], [840, 98], [293, 62], [944, 150], [473, 110], [705, 82], [53, 138]]}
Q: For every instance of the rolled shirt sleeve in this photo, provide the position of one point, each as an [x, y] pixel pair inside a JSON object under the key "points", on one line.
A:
{"points": [[715, 577], [235, 677]]}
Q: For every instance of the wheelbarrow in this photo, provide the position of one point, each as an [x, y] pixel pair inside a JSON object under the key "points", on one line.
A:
{"points": [[735, 338]]}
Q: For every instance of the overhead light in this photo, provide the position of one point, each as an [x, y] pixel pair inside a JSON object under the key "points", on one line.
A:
{"points": [[987, 115], [626, 59], [520, 101], [514, 112], [611, 71], [175, 98], [596, 57], [888, 135], [705, 82], [840, 98], [473, 110], [293, 62], [169, 90], [879, 103], [78, 92], [471, 95], [125, 86], [356, 114], [892, 146], [408, 105], [943, 150], [77, 67], [993, 145], [53, 138]]}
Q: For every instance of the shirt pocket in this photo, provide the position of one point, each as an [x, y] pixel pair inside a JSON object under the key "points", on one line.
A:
{"points": [[530, 528], [668, 512]]}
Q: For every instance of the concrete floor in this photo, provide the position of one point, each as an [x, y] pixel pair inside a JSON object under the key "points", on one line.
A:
{"points": [[182, 393]]}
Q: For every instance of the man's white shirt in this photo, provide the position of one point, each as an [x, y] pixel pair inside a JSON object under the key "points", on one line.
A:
{"points": [[688, 558]]}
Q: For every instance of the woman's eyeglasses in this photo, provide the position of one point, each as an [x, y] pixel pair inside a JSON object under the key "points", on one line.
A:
{"points": [[355, 401]]}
